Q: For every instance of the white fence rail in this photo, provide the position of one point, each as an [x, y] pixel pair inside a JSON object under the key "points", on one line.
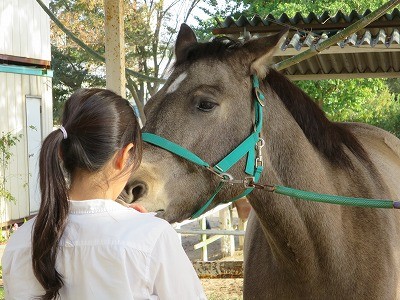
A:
{"points": [[227, 233]]}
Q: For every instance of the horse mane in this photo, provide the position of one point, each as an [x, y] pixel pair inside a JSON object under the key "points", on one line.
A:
{"points": [[218, 48], [327, 136]]}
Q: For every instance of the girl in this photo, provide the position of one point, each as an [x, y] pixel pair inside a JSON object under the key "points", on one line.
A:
{"points": [[83, 244]]}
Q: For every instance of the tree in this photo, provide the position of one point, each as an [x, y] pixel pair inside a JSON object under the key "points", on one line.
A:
{"points": [[291, 7], [148, 35], [73, 67], [356, 100]]}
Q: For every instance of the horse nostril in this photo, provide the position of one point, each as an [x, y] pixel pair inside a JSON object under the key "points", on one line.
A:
{"points": [[135, 190]]}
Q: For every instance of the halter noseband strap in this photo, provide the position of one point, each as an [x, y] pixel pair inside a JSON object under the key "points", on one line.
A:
{"points": [[251, 146]]}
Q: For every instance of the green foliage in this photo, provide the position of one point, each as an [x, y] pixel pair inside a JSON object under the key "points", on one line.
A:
{"points": [[4, 236], [73, 69], [357, 100], [291, 7], [7, 141]]}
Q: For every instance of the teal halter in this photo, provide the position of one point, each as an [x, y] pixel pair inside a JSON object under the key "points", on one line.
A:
{"points": [[251, 147]]}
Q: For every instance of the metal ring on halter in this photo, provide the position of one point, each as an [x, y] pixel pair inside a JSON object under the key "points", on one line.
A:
{"points": [[261, 141], [214, 172], [226, 177]]}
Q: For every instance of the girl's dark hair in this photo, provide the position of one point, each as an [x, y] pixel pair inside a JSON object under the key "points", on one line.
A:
{"points": [[98, 123]]}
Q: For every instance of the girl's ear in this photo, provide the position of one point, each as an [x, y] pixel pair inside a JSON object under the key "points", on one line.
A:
{"points": [[122, 157]]}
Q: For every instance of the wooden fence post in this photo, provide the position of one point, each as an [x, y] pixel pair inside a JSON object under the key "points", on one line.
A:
{"points": [[242, 224], [227, 242], [204, 239]]}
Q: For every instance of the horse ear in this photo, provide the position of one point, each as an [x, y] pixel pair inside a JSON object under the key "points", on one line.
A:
{"points": [[262, 50], [186, 37]]}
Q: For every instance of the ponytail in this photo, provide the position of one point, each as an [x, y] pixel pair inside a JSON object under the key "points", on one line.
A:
{"points": [[97, 123], [51, 219]]}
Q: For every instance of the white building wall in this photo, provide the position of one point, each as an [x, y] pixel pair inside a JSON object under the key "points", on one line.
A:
{"points": [[24, 32], [24, 29], [13, 119]]}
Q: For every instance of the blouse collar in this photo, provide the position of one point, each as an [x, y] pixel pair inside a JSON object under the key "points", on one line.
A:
{"points": [[94, 206]]}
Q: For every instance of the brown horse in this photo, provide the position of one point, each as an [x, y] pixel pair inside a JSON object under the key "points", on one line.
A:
{"points": [[294, 249]]}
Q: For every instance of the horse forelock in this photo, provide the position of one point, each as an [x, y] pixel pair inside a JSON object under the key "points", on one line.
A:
{"points": [[218, 48], [327, 136]]}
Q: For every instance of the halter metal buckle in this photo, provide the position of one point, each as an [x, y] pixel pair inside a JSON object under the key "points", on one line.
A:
{"points": [[248, 182], [228, 178], [260, 96], [259, 158], [259, 162]]}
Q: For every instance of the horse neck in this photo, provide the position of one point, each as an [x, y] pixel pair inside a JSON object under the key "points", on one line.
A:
{"points": [[291, 160], [289, 153]]}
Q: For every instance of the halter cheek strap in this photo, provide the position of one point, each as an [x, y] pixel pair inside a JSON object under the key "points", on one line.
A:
{"points": [[251, 147]]}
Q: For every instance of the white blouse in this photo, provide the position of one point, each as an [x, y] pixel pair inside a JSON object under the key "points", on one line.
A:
{"points": [[107, 251]]}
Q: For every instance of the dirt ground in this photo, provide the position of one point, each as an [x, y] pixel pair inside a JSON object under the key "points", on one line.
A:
{"points": [[215, 289], [223, 289]]}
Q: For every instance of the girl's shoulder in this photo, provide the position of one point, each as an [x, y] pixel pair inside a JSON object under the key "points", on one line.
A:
{"points": [[21, 238], [143, 226], [117, 226]]}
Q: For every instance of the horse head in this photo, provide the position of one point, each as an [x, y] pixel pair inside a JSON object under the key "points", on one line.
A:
{"points": [[207, 107]]}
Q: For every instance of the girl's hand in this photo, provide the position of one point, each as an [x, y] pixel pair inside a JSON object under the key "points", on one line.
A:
{"points": [[138, 207]]}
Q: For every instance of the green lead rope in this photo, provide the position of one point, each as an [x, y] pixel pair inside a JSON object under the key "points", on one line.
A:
{"points": [[334, 199]]}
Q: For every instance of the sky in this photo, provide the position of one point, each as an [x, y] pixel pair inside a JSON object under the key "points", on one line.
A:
{"points": [[197, 11]]}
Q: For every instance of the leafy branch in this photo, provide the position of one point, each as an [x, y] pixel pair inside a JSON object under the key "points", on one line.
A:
{"points": [[7, 141]]}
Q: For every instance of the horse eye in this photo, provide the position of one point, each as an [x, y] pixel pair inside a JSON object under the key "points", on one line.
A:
{"points": [[206, 106]]}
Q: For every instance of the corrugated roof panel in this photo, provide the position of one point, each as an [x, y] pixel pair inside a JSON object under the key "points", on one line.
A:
{"points": [[360, 61], [372, 62], [384, 61], [313, 65], [365, 40], [301, 68], [325, 63], [395, 37], [373, 49], [312, 18], [395, 61], [348, 62], [337, 64]]}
